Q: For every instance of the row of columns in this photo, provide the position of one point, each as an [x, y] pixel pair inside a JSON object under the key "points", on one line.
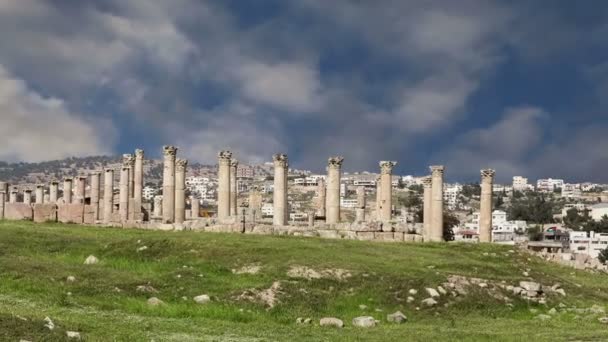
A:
{"points": [[174, 187]]}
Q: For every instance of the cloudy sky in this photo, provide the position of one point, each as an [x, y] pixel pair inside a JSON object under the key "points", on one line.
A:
{"points": [[519, 86]]}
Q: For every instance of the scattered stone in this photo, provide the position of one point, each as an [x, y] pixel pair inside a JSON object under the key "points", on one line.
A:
{"points": [[364, 321], [596, 309], [153, 301], [560, 291], [249, 269], [441, 290], [413, 291], [71, 279], [301, 320], [429, 302], [530, 286], [331, 322], [49, 323], [543, 317], [202, 299], [397, 317], [91, 260], [482, 285], [553, 311], [142, 248], [309, 273], [525, 274], [410, 299], [432, 292], [603, 320], [268, 296], [146, 289], [73, 334]]}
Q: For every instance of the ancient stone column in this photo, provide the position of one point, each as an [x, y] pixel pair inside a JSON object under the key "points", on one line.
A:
{"points": [[123, 202], [386, 190], [234, 164], [281, 164], [195, 207], [378, 198], [332, 213], [169, 153], [53, 192], [128, 161], [13, 196], [67, 190], [426, 208], [81, 185], [2, 202], [360, 210], [138, 179], [180, 190], [158, 206], [4, 188], [95, 189], [255, 203], [39, 194], [311, 218], [108, 195], [27, 196], [437, 202], [321, 197], [223, 188], [485, 205]]}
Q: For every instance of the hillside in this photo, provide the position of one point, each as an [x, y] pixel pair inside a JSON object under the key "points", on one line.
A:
{"points": [[259, 286]]}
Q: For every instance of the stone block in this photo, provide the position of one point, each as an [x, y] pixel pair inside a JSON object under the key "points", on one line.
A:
{"points": [[386, 227], [418, 238], [349, 235], [329, 234], [409, 237], [366, 226], [71, 213], [45, 213], [398, 236], [18, 211], [365, 235], [262, 229], [384, 236], [88, 216]]}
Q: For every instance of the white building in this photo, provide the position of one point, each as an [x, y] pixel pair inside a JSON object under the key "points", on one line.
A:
{"points": [[598, 211], [451, 193], [549, 184], [572, 191], [589, 243], [148, 193], [503, 231], [267, 209], [348, 203], [580, 208], [520, 183]]}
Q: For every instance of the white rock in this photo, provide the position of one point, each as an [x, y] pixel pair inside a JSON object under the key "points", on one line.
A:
{"points": [[202, 299], [603, 320], [442, 290], [364, 322], [397, 317], [413, 291], [560, 291], [530, 286], [429, 302], [91, 260], [410, 299], [552, 312], [49, 323], [142, 248], [153, 301], [71, 279], [482, 285], [73, 334], [517, 290], [432, 292], [331, 322]]}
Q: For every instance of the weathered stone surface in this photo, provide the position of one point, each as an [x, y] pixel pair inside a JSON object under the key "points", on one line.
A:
{"points": [[155, 302], [429, 302], [365, 235], [45, 213], [202, 299], [384, 236], [18, 211], [347, 234], [364, 322], [329, 234], [398, 237], [530, 286], [397, 317], [409, 237], [432, 292], [88, 216], [71, 213], [331, 322], [91, 260]]}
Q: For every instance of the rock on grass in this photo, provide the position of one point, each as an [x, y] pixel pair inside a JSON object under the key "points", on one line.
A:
{"points": [[331, 322]]}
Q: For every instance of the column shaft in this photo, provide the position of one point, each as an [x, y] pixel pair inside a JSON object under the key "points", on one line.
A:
{"points": [[223, 188], [108, 195], [95, 189], [4, 188], [13, 196], [138, 179], [53, 192], [180, 190], [485, 206], [321, 198], [280, 216], [39, 194], [123, 208], [437, 203], [158, 206], [386, 190], [2, 202], [332, 214], [169, 153], [426, 209], [27, 196], [67, 191], [195, 207], [234, 164], [80, 189]]}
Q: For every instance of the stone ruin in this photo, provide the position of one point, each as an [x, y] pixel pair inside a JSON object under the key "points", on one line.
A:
{"points": [[169, 212]]}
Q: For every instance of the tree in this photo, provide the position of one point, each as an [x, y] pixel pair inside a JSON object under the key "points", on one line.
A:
{"points": [[499, 202], [535, 233], [449, 222], [470, 190], [603, 256]]}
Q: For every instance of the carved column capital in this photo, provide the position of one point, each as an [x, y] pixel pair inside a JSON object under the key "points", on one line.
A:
{"points": [[280, 160], [335, 162], [427, 181], [139, 153], [386, 167], [181, 164], [128, 160], [487, 175], [437, 169], [234, 163], [169, 150]]}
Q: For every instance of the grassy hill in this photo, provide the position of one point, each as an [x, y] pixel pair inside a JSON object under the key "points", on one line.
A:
{"points": [[260, 285]]}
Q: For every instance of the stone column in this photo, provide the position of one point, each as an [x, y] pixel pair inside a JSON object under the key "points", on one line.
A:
{"points": [[95, 189], [234, 164], [332, 213], [223, 188], [13, 196], [81, 183], [158, 206], [437, 203], [128, 161], [426, 208], [4, 188], [360, 210], [53, 191], [169, 153], [321, 197], [2, 202], [180, 190], [311, 218], [108, 195], [195, 207], [280, 189], [378, 198], [67, 190], [255, 203], [485, 205], [386, 190], [123, 209], [39, 194], [138, 179], [27, 196]]}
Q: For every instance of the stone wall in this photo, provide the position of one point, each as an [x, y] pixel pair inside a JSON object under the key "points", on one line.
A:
{"points": [[45, 213], [18, 211], [71, 213]]}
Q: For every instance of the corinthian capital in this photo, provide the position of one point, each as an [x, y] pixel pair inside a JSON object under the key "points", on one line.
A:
{"points": [[280, 159], [181, 164], [437, 169], [169, 151], [128, 160], [234, 163], [224, 155], [335, 162], [386, 167], [487, 174], [427, 181], [139, 154]]}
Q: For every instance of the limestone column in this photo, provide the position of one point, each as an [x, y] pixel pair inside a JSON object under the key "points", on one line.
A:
{"points": [[360, 210], [108, 195], [128, 161], [321, 197], [123, 209], [180, 190], [311, 218], [255, 203], [195, 207], [138, 178], [280, 189], [378, 198], [2, 202], [223, 188], [27, 196], [95, 189], [53, 191], [234, 164], [81, 182], [485, 205], [67, 190], [4, 188], [13, 196], [426, 208], [386, 190], [332, 213], [437, 202], [169, 153], [39, 194], [158, 206]]}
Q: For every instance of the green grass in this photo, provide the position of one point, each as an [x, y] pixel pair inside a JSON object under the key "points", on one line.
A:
{"points": [[103, 304]]}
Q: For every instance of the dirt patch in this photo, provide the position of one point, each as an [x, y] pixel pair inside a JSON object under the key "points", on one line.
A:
{"points": [[309, 273], [248, 269], [269, 297]]}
